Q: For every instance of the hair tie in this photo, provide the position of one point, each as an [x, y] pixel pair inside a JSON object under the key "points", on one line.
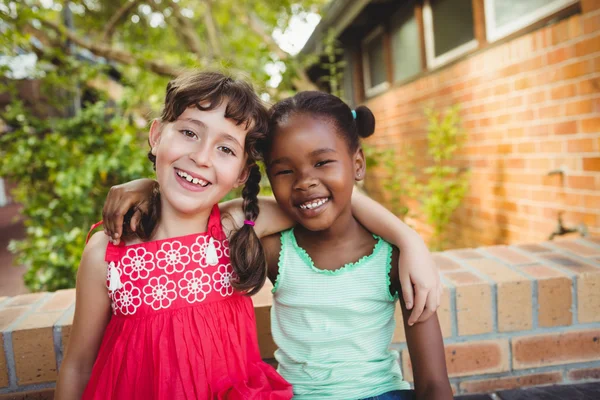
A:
{"points": [[354, 114], [248, 222]]}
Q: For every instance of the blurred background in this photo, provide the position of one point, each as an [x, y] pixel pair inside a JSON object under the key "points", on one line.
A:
{"points": [[488, 111]]}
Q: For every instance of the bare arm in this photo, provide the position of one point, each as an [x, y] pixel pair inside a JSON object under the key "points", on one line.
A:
{"points": [[271, 219], [427, 355], [419, 277], [92, 314]]}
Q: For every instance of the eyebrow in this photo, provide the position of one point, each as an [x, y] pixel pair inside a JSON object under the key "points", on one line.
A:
{"points": [[227, 136], [313, 153]]}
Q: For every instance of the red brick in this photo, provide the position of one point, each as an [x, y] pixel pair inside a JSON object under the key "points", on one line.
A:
{"points": [[9, 315], [515, 310], [584, 374], [587, 46], [465, 254], [554, 295], [555, 349], [564, 128], [588, 307], [591, 164], [590, 125], [580, 146], [580, 182], [510, 382], [591, 23], [60, 300], [509, 255], [25, 299], [576, 248], [470, 358], [35, 361], [3, 366], [444, 263], [473, 303], [588, 86]]}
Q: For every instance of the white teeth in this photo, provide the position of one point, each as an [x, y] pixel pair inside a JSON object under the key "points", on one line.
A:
{"points": [[191, 179], [314, 204]]}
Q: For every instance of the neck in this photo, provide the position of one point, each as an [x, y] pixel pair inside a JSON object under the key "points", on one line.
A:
{"points": [[174, 223], [343, 228]]}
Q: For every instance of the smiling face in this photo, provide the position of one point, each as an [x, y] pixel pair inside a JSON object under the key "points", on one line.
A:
{"points": [[199, 158], [312, 170]]}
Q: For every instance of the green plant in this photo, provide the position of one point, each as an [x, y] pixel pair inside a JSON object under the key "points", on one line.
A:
{"points": [[63, 169], [446, 185], [333, 65], [399, 173]]}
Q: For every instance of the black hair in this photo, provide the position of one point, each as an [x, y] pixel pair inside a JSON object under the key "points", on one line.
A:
{"points": [[351, 124]]}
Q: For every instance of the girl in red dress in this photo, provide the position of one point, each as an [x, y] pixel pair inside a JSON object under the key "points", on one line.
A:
{"points": [[172, 325]]}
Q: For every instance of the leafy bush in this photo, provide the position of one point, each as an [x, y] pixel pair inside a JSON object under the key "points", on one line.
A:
{"points": [[63, 169]]}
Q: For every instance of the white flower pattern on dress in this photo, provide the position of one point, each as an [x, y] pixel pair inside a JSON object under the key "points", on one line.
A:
{"points": [[222, 280], [172, 257], [194, 286], [159, 292], [127, 299], [226, 248], [138, 263], [199, 250]]}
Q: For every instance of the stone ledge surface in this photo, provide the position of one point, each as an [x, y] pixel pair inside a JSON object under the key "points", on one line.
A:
{"points": [[511, 316]]}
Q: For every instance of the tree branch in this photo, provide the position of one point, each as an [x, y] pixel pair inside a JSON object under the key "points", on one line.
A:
{"points": [[110, 53], [187, 31], [212, 30], [117, 17], [302, 82]]}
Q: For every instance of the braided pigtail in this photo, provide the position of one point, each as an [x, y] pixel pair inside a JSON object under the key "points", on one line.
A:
{"points": [[247, 254]]}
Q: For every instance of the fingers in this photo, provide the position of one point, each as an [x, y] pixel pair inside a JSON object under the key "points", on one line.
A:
{"points": [[431, 305], [407, 290], [135, 219], [420, 301]]}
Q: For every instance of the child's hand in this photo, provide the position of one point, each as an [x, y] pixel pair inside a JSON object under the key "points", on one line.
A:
{"points": [[134, 195], [420, 281]]}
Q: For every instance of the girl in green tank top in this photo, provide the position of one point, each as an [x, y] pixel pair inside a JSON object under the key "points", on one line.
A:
{"points": [[334, 288]]}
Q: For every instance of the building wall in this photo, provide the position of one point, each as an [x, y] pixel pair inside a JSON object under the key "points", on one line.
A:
{"points": [[529, 106]]}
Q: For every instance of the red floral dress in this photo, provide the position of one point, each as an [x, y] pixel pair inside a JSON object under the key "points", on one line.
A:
{"points": [[179, 330]]}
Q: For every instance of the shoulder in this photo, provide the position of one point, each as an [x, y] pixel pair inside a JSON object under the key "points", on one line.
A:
{"points": [[272, 247], [92, 263], [232, 216]]}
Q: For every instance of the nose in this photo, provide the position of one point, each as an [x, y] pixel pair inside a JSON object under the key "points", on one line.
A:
{"points": [[305, 182], [201, 155]]}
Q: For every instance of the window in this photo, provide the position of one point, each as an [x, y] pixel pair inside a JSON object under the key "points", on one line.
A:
{"points": [[374, 64], [406, 45], [449, 30], [348, 77], [503, 17], [3, 196]]}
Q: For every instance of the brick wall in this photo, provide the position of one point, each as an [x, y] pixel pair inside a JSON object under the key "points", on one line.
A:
{"points": [[529, 106], [511, 316]]}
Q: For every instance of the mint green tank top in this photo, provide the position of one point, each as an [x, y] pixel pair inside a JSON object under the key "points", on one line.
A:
{"points": [[333, 328]]}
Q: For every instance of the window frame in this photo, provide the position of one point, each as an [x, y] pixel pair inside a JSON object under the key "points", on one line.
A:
{"points": [[494, 34], [449, 56], [370, 90]]}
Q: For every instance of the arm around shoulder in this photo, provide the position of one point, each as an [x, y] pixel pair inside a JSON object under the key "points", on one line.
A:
{"points": [[92, 314], [271, 219]]}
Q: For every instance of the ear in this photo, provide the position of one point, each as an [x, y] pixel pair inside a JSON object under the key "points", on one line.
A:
{"points": [[154, 136], [243, 177], [360, 165]]}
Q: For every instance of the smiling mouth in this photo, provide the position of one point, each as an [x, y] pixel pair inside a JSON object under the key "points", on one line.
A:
{"points": [[191, 179], [312, 204]]}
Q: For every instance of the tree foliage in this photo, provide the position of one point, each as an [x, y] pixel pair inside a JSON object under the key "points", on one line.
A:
{"points": [[68, 144]]}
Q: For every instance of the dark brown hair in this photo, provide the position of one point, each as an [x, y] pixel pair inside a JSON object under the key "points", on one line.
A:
{"points": [[351, 126], [206, 91]]}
